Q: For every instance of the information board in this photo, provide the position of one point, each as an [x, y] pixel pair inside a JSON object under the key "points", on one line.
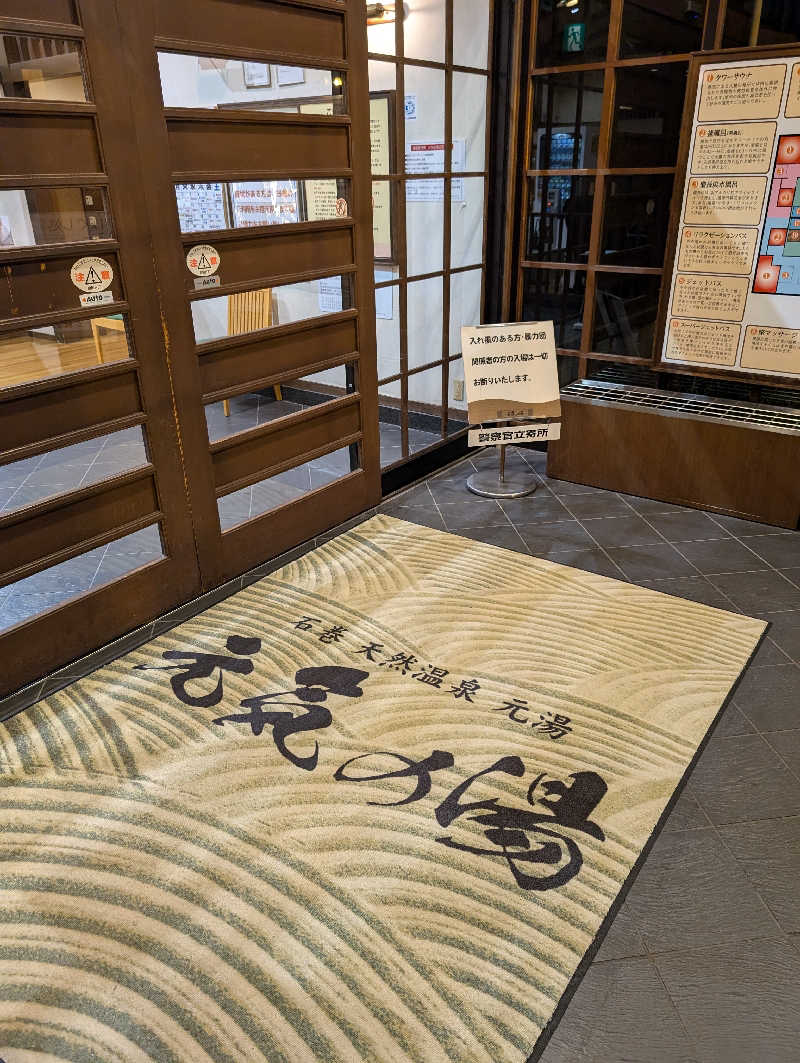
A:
{"points": [[734, 295], [510, 372]]}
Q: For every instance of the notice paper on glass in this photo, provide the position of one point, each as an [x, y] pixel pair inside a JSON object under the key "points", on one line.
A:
{"points": [[510, 372], [423, 157]]}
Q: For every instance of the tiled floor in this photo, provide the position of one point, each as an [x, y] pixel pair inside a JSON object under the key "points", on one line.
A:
{"points": [[702, 963], [35, 479]]}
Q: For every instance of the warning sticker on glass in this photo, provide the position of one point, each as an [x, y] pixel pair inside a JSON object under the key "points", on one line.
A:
{"points": [[203, 260], [91, 274]]}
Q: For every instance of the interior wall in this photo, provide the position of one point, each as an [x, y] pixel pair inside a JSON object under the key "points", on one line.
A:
{"points": [[424, 39]]}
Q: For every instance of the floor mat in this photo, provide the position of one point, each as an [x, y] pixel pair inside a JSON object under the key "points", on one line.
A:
{"points": [[376, 806]]}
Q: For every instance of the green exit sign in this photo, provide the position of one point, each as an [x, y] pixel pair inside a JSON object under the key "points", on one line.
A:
{"points": [[575, 37]]}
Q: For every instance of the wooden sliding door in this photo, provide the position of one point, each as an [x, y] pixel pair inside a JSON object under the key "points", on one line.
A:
{"points": [[187, 351]]}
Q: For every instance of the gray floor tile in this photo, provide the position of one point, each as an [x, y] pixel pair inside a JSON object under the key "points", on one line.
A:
{"points": [[787, 746], [415, 496], [687, 526], [565, 488], [23, 606], [739, 1005], [687, 814], [693, 588], [505, 537], [537, 459], [724, 555], [647, 506], [480, 513], [538, 508], [745, 528], [651, 562], [769, 654], [600, 504], [770, 697], [620, 1013], [428, 517], [452, 490], [769, 854], [733, 723], [547, 539], [587, 558], [780, 551], [691, 892], [785, 632], [739, 780], [756, 593], [623, 939], [629, 530]]}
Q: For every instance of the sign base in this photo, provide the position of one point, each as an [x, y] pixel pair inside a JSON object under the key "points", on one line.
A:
{"points": [[488, 484]]}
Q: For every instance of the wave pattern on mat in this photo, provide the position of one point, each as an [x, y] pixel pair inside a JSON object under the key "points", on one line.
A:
{"points": [[175, 889]]}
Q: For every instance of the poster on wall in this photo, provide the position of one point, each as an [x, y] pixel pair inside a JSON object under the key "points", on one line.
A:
{"points": [[201, 207], [381, 112], [734, 295], [264, 203], [291, 75], [256, 75], [330, 295]]}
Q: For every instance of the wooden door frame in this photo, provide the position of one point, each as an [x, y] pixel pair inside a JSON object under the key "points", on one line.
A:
{"points": [[222, 557]]}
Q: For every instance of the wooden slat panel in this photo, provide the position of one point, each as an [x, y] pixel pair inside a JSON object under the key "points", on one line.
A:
{"points": [[258, 540], [251, 258], [28, 541], [257, 455], [253, 361], [48, 144], [44, 285], [44, 10], [261, 148], [48, 415], [253, 24], [62, 635]]}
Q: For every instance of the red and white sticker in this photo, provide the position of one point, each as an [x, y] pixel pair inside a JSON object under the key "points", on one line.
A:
{"points": [[91, 274], [203, 260], [341, 208]]}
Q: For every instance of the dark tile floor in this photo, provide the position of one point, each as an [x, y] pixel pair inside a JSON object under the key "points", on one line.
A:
{"points": [[702, 963]]}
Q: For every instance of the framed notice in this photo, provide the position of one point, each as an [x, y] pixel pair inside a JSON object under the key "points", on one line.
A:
{"points": [[291, 75], [382, 157], [263, 203], [732, 302], [256, 75]]}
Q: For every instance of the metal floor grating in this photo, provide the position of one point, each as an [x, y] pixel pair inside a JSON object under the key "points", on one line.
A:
{"points": [[772, 418]]}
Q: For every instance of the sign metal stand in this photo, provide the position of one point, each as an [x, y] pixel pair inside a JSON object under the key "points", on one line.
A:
{"points": [[489, 483], [511, 381]]}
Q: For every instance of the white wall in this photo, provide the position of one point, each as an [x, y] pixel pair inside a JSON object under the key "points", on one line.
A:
{"points": [[423, 31]]}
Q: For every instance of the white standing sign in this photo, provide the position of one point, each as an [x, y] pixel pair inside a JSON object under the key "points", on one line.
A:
{"points": [[510, 372]]}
